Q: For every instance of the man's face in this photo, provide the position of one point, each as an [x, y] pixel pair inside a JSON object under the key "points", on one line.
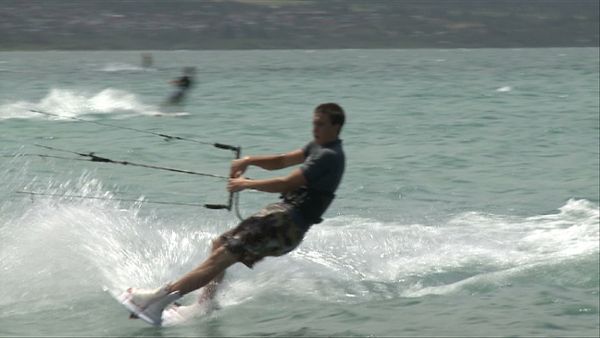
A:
{"points": [[323, 131]]}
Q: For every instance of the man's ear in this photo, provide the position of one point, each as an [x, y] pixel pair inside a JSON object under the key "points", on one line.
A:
{"points": [[338, 128]]}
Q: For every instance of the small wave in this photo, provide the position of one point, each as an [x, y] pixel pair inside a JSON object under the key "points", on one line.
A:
{"points": [[470, 251], [123, 67], [96, 243], [71, 103], [87, 244], [504, 89]]}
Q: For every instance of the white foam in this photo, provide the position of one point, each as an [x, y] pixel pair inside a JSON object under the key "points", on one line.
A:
{"points": [[56, 245], [88, 244], [470, 248], [123, 67], [73, 103]]}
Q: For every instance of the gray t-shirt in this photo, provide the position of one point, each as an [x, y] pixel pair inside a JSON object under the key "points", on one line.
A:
{"points": [[323, 168]]}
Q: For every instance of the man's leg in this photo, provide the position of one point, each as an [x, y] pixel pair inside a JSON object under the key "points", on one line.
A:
{"points": [[211, 269], [151, 303], [211, 288]]}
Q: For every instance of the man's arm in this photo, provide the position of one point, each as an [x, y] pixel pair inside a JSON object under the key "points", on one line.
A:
{"points": [[273, 162], [278, 184]]}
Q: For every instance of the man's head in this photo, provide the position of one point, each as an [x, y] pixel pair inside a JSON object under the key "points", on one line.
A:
{"points": [[328, 120]]}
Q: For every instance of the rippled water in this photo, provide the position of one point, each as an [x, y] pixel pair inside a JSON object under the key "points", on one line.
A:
{"points": [[469, 205]]}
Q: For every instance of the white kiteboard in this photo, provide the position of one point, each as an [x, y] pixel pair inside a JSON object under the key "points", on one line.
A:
{"points": [[173, 114], [168, 109]]}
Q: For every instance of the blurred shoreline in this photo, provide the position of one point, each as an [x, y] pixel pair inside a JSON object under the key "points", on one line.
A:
{"points": [[279, 24]]}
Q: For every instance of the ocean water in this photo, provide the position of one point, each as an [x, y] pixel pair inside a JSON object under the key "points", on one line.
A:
{"points": [[469, 206]]}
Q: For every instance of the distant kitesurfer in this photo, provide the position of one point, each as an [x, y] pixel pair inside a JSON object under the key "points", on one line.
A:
{"points": [[183, 85], [277, 229], [147, 60]]}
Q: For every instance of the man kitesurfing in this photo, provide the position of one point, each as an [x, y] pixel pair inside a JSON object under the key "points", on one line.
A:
{"points": [[183, 85], [275, 230]]}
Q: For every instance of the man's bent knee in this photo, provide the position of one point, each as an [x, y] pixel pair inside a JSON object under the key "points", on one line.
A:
{"points": [[217, 243], [223, 257]]}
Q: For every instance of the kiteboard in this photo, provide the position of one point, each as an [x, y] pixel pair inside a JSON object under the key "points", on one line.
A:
{"points": [[170, 109], [172, 114]]}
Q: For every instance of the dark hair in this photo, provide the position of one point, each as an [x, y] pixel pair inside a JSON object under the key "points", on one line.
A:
{"points": [[334, 111]]}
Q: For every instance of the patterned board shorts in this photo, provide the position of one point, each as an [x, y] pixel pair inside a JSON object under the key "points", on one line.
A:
{"points": [[269, 232]]}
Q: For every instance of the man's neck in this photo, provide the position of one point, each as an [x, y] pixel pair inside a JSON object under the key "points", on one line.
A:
{"points": [[327, 142]]}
